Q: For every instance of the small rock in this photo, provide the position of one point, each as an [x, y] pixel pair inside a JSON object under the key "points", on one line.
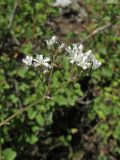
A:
{"points": [[62, 3]]}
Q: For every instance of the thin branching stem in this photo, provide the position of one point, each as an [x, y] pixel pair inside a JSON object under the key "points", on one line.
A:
{"points": [[6, 121], [51, 74]]}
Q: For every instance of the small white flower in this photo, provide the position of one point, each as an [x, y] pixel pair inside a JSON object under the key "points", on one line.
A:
{"points": [[95, 63], [80, 47], [51, 42], [76, 49], [61, 47], [75, 53], [40, 61], [45, 71], [75, 58], [28, 60]]}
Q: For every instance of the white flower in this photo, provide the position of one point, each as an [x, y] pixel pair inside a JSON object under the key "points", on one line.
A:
{"points": [[51, 42], [45, 71], [76, 49], [61, 47], [84, 60], [75, 58], [75, 53], [40, 61], [28, 60], [96, 64], [90, 60]]}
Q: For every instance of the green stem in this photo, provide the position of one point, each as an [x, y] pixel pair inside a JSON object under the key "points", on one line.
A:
{"points": [[51, 73], [0, 151], [19, 112]]}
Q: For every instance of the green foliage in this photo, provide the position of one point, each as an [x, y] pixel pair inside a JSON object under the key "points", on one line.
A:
{"points": [[9, 154], [38, 128]]}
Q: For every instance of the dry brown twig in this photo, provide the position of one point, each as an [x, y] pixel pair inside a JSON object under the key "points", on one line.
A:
{"points": [[96, 31]]}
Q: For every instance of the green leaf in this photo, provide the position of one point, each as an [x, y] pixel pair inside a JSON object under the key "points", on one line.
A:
{"points": [[101, 115], [40, 119], [9, 154], [22, 71], [32, 113], [77, 89], [32, 139], [112, 1], [13, 98], [26, 48], [35, 128]]}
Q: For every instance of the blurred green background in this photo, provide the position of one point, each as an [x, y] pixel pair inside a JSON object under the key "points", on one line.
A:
{"points": [[83, 121]]}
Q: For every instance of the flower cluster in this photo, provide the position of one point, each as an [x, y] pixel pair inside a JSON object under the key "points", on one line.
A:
{"points": [[84, 60], [38, 61]]}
